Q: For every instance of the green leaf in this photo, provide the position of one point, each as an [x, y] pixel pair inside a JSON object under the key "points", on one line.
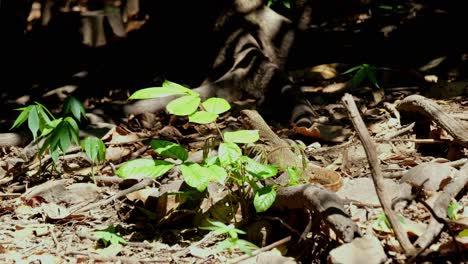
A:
{"points": [[195, 175], [65, 137], [184, 106], [264, 198], [72, 127], [294, 173], [49, 128], [110, 236], [258, 170], [216, 173], [94, 148], [73, 106], [169, 149], [202, 117], [54, 154], [144, 168], [452, 210], [228, 153], [463, 233], [33, 121], [216, 105], [168, 88], [242, 136], [22, 117]]}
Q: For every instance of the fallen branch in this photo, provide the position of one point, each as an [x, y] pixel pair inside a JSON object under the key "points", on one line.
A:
{"points": [[377, 177], [426, 107]]}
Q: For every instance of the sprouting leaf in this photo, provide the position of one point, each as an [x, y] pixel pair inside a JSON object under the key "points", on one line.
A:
{"points": [[228, 153], [463, 233], [110, 236], [264, 199], [94, 148], [144, 168], [216, 173], [258, 170], [184, 106], [73, 129], [169, 149], [73, 106], [33, 121], [195, 175], [242, 136], [22, 117], [168, 88], [452, 210], [216, 105], [294, 173], [202, 117]]}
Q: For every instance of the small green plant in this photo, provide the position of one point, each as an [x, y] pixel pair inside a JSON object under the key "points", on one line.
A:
{"points": [[363, 72], [230, 166], [58, 133], [453, 209], [367, 72], [73, 107], [232, 241], [95, 150], [110, 236]]}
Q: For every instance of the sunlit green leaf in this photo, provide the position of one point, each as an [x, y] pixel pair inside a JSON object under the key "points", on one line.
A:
{"points": [[242, 136], [217, 173], [202, 117], [73, 106], [216, 105], [264, 199], [168, 88], [452, 210], [258, 170], [228, 153], [33, 121], [169, 149], [110, 236], [94, 148], [144, 168], [195, 175], [184, 106], [22, 117]]}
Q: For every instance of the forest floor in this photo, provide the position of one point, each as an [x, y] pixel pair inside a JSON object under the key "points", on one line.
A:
{"points": [[59, 213]]}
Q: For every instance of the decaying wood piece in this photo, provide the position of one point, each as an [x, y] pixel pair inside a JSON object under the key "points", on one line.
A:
{"points": [[426, 107], [377, 177], [307, 196]]}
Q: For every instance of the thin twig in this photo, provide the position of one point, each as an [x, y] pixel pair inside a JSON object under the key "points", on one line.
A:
{"points": [[377, 177]]}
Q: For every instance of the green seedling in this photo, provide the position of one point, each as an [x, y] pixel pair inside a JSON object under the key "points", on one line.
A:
{"points": [[453, 209], [232, 241], [110, 236], [95, 150], [58, 133], [230, 165], [73, 107], [367, 72]]}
